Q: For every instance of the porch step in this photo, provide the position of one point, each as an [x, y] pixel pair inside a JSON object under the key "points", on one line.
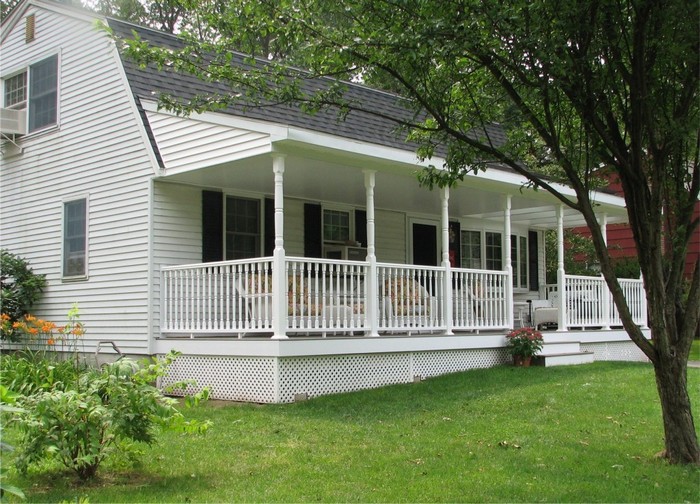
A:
{"points": [[562, 353], [563, 359]]}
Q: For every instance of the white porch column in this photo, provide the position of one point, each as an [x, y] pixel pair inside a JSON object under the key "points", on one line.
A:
{"points": [[605, 294], [561, 280], [279, 274], [508, 266], [371, 285], [447, 283]]}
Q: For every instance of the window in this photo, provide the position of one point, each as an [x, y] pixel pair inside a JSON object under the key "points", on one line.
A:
{"points": [[494, 254], [519, 261], [471, 249], [43, 93], [242, 228], [37, 90], [75, 238], [336, 226], [16, 91]]}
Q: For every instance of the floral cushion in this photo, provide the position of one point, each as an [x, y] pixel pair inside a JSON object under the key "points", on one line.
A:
{"points": [[406, 294]]}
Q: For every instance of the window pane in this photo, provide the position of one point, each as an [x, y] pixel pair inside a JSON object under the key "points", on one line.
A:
{"points": [[43, 93], [74, 242], [493, 251], [336, 226], [471, 249], [16, 90], [242, 228]]}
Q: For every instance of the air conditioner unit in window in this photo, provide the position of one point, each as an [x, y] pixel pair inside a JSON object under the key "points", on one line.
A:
{"points": [[13, 122]]}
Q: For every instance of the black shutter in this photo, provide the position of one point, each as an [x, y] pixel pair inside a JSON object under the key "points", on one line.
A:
{"points": [[212, 226], [269, 245], [455, 244], [533, 260], [361, 227], [313, 234]]}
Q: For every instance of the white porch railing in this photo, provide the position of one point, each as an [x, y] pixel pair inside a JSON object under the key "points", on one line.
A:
{"points": [[479, 299], [221, 297], [326, 297], [589, 303], [410, 298]]}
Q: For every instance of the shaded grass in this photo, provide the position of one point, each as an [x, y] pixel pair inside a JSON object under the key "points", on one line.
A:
{"points": [[574, 434]]}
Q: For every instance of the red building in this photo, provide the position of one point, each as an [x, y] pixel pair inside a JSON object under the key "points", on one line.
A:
{"points": [[621, 242]]}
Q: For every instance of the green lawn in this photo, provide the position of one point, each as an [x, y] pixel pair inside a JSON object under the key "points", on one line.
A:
{"points": [[695, 350], [569, 434]]}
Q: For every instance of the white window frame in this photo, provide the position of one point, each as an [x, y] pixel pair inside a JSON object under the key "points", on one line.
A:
{"points": [[25, 104], [64, 203], [351, 223], [261, 223], [481, 246]]}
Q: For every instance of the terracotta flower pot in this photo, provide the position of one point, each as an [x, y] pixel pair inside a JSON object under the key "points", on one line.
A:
{"points": [[520, 361]]}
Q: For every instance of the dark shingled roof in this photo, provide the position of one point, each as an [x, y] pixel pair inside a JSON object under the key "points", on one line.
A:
{"points": [[148, 83]]}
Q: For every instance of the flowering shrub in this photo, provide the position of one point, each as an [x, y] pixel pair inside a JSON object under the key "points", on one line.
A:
{"points": [[20, 288], [525, 342]]}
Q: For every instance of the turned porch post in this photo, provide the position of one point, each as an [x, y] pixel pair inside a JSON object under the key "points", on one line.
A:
{"points": [[371, 286], [447, 282], [508, 266], [279, 274], [561, 274], [606, 297]]}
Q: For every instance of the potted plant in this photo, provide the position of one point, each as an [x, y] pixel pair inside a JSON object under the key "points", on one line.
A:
{"points": [[523, 344]]}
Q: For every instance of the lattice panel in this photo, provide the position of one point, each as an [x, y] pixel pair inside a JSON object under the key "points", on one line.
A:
{"points": [[426, 364], [250, 379], [615, 351], [321, 375]]}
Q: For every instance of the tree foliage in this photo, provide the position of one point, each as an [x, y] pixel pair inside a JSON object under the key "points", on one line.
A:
{"points": [[582, 88]]}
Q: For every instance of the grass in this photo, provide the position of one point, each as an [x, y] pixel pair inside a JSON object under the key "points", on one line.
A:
{"points": [[572, 434], [695, 350]]}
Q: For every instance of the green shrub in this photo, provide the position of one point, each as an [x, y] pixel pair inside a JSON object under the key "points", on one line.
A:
{"points": [[110, 408], [20, 288]]}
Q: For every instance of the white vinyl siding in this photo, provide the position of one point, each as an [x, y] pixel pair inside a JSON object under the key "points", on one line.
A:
{"points": [[99, 151], [188, 144]]}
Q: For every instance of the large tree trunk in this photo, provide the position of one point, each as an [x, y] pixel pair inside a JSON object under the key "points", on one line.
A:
{"points": [[671, 382]]}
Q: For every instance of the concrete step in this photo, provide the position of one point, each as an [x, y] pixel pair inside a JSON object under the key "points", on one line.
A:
{"points": [[563, 359], [560, 347]]}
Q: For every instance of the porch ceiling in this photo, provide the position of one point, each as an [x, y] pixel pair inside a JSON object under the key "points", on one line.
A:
{"points": [[331, 176]]}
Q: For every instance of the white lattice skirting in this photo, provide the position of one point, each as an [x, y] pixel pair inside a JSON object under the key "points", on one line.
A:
{"points": [[615, 351], [280, 379]]}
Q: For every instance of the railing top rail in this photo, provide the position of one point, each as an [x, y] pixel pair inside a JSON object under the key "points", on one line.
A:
{"points": [[318, 260], [480, 271], [215, 263], [597, 278], [410, 266]]}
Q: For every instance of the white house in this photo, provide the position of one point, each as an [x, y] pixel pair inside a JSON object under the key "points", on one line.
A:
{"points": [[283, 254]]}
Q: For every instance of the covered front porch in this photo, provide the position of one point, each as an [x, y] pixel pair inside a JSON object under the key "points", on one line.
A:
{"points": [[423, 283]]}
